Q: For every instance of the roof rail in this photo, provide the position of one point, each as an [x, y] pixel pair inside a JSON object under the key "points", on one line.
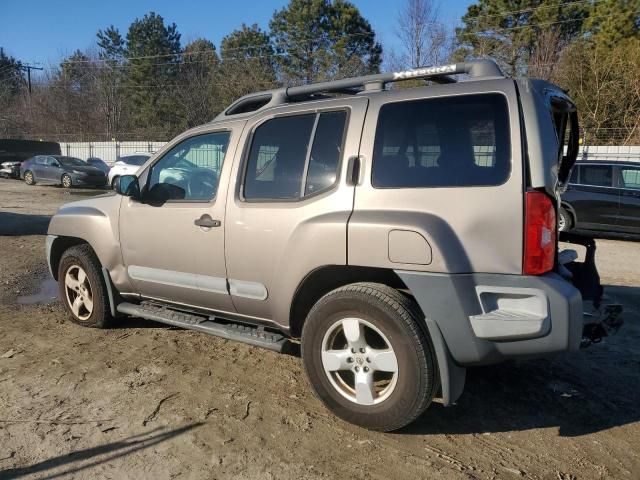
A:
{"points": [[439, 74]]}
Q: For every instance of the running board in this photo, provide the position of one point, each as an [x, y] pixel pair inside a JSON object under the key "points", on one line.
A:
{"points": [[256, 336]]}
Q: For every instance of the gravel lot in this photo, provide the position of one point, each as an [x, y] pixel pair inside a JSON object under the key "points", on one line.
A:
{"points": [[145, 401]]}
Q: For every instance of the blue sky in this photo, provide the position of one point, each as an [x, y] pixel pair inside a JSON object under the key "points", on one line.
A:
{"points": [[43, 31]]}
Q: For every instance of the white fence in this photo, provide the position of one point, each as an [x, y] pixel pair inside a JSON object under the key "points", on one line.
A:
{"points": [[107, 151], [110, 151], [609, 152]]}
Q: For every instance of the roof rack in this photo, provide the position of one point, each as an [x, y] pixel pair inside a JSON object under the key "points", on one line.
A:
{"points": [[484, 68]]}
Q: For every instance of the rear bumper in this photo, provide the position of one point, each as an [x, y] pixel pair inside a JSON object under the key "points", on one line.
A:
{"points": [[488, 318]]}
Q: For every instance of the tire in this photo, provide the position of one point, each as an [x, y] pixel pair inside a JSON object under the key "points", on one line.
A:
{"points": [[114, 181], [88, 286], [29, 178], [386, 316], [66, 181], [565, 222]]}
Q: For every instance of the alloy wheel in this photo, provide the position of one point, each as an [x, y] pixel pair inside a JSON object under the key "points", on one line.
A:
{"points": [[79, 294], [359, 361]]}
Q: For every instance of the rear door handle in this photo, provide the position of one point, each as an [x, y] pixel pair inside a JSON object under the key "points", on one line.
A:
{"points": [[207, 222]]}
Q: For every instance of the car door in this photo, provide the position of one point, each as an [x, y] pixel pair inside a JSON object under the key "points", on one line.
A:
{"points": [[629, 216], [38, 167], [54, 169], [287, 214], [595, 199], [173, 240]]}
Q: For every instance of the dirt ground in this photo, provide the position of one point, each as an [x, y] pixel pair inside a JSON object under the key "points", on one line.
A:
{"points": [[145, 401]]}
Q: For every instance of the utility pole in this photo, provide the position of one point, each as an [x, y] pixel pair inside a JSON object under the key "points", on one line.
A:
{"points": [[28, 68]]}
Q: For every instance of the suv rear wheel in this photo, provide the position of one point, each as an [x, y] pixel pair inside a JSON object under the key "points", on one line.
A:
{"points": [[82, 287], [367, 358]]}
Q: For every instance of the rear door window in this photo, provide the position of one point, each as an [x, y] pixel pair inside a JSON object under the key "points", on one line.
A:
{"points": [[443, 142], [631, 178], [294, 156], [596, 175]]}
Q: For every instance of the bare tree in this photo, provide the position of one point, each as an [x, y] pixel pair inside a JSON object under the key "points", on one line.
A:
{"points": [[424, 39], [546, 54]]}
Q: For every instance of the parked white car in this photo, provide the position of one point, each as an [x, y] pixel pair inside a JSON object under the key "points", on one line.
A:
{"points": [[127, 164]]}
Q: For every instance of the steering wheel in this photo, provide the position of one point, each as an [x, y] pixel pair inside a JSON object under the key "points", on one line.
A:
{"points": [[202, 184]]}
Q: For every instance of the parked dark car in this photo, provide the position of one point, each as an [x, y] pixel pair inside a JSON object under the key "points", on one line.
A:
{"points": [[602, 196], [13, 152], [61, 170], [99, 163]]}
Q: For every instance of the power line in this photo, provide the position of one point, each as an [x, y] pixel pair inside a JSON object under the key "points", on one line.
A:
{"points": [[480, 32]]}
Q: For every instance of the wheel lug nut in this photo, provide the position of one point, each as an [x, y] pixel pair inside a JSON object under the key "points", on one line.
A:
{"points": [[353, 350], [368, 360], [362, 350], [350, 359], [366, 369], [357, 369]]}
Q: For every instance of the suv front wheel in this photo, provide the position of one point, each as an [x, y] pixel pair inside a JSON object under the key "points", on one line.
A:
{"points": [[82, 287], [367, 357]]}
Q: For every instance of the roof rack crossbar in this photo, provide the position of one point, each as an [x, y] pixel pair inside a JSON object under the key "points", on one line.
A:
{"points": [[438, 74]]}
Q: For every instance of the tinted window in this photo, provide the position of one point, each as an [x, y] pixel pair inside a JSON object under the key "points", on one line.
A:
{"points": [[41, 160], [137, 160], [190, 170], [597, 175], [631, 177], [69, 161], [326, 152], [574, 175], [444, 142], [280, 151]]}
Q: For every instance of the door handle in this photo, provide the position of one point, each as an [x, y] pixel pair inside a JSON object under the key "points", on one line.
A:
{"points": [[353, 170], [207, 222]]}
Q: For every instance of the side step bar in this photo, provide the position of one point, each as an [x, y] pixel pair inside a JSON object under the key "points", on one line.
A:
{"points": [[256, 336]]}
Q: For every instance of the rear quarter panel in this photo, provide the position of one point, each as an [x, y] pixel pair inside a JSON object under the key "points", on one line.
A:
{"points": [[469, 229]]}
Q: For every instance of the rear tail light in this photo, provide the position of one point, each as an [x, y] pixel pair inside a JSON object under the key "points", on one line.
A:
{"points": [[539, 234]]}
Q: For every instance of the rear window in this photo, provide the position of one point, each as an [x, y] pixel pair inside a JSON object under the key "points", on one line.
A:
{"points": [[136, 160], [596, 175], [631, 177], [443, 142]]}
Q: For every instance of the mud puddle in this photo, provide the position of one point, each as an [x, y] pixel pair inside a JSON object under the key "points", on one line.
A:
{"points": [[47, 293]]}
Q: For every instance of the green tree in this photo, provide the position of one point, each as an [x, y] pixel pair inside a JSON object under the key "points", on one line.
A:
{"points": [[510, 30], [611, 21], [76, 70], [323, 39], [11, 79], [11, 82], [111, 44], [153, 56], [197, 96], [111, 78], [247, 63]]}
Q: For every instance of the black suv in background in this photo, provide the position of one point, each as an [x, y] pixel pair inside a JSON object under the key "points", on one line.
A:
{"points": [[603, 196]]}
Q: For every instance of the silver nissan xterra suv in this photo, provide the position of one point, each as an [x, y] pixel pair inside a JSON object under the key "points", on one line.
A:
{"points": [[401, 234]]}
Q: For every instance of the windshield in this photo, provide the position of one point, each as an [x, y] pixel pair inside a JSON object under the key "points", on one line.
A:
{"points": [[134, 159], [71, 162]]}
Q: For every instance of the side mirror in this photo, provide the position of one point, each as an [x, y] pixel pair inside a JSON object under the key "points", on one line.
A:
{"points": [[55, 164], [128, 186]]}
